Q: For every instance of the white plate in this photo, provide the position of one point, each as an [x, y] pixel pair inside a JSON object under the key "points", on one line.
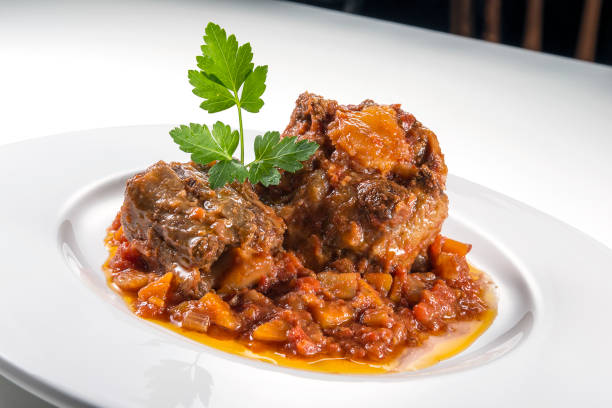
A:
{"points": [[66, 337]]}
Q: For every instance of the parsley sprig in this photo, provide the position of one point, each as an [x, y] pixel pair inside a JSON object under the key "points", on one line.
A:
{"points": [[228, 77]]}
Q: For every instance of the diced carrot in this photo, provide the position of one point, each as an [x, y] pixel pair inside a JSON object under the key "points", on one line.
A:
{"points": [[219, 311], [380, 281], [312, 300], [245, 270], [308, 284], [197, 213], [366, 297], [452, 266], [332, 314], [156, 292], [274, 330], [436, 247], [341, 285], [130, 280], [157, 301], [378, 317], [396, 288], [456, 247]]}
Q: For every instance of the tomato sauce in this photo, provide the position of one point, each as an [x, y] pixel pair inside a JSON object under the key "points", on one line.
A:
{"points": [[322, 322]]}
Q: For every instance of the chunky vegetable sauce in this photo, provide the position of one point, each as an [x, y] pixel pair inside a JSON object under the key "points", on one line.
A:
{"points": [[342, 259], [328, 322]]}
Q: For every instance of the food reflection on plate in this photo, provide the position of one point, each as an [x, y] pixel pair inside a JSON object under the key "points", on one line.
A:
{"points": [[339, 268]]}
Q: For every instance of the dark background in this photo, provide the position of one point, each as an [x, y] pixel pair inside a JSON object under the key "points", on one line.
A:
{"points": [[561, 20]]}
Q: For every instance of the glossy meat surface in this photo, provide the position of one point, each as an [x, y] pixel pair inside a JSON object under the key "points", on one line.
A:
{"points": [[373, 192], [177, 222]]}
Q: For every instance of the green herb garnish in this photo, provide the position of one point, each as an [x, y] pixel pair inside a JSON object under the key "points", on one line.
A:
{"points": [[227, 77]]}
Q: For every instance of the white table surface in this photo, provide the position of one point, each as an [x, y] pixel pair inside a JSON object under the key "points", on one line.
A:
{"points": [[533, 126]]}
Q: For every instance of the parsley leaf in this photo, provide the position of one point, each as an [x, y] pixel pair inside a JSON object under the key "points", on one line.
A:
{"points": [[204, 146], [271, 151], [264, 173], [254, 87], [225, 69], [286, 153], [226, 171], [224, 59], [227, 78], [216, 97]]}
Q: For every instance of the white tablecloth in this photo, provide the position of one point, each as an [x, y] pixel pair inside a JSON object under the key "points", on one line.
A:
{"points": [[533, 126]]}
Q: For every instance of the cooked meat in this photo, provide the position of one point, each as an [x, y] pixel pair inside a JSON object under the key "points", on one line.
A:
{"points": [[374, 191], [177, 222], [345, 260]]}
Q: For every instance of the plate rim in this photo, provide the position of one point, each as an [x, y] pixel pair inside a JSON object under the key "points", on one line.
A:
{"points": [[51, 392]]}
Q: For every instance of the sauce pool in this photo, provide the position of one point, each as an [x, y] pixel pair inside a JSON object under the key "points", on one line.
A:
{"points": [[460, 336]]}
